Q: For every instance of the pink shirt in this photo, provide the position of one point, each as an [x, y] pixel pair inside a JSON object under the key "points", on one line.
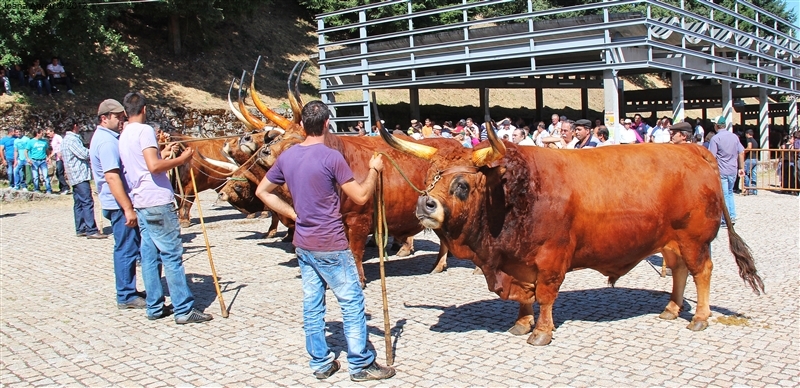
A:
{"points": [[55, 143], [147, 189]]}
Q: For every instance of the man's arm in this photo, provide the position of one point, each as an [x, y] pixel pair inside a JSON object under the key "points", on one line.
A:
{"points": [[3, 154], [741, 163], [156, 165], [114, 181], [360, 192], [264, 193], [77, 149]]}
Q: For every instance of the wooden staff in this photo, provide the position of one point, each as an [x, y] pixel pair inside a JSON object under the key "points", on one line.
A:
{"points": [[379, 238], [208, 249]]}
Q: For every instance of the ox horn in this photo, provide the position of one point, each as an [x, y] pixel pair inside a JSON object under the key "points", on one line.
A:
{"points": [[273, 116], [497, 150], [217, 163], [409, 147], [247, 116], [295, 100], [236, 112]]}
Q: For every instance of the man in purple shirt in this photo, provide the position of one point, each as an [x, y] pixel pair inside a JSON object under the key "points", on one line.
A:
{"points": [[312, 172], [152, 196], [729, 152]]}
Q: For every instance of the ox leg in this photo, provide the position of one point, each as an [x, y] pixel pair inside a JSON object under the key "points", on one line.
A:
{"points": [[679, 275], [524, 320], [546, 294], [289, 235], [273, 226], [184, 211], [357, 233], [441, 259], [701, 272], [407, 248]]}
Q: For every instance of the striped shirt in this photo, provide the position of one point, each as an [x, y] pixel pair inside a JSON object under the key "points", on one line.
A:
{"points": [[76, 159]]}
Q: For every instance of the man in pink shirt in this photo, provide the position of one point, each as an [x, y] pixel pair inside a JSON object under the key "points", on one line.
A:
{"points": [[55, 144]]}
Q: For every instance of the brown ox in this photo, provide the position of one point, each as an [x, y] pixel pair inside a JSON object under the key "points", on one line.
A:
{"points": [[526, 216]]}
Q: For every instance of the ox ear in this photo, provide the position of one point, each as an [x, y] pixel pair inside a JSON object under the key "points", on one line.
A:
{"points": [[485, 156], [273, 116]]}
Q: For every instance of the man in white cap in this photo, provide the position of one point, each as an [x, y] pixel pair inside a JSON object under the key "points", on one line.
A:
{"points": [[626, 134], [729, 152]]}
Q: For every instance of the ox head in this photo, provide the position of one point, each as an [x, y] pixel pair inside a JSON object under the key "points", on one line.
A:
{"points": [[240, 189], [456, 181]]}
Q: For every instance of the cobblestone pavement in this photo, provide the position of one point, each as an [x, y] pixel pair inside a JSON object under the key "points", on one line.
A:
{"points": [[60, 325]]}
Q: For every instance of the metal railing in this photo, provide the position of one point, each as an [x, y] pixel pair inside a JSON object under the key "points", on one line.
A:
{"points": [[779, 170]]}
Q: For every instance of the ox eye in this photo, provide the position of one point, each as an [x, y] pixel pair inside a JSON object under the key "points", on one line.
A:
{"points": [[237, 189], [460, 188]]}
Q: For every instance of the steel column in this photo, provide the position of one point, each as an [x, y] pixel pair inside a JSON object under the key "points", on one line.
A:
{"points": [[611, 99], [677, 97], [727, 104]]}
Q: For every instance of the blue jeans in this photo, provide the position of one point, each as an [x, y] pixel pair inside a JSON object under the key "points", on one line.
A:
{"points": [[336, 269], [40, 84], [161, 245], [62, 181], [727, 191], [10, 171], [40, 169], [126, 252], [83, 209], [750, 175], [18, 171]]}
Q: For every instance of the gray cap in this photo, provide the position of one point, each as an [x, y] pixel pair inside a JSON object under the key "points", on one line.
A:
{"points": [[109, 106]]}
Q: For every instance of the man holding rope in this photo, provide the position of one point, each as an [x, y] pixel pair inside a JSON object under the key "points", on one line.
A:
{"points": [[312, 171]]}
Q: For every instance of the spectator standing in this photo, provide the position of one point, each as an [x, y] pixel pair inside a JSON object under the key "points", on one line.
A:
{"points": [[7, 146], [750, 164], [117, 207], [322, 248], [151, 193], [58, 75], [75, 158], [681, 132], [708, 138], [21, 163], [56, 157], [698, 129], [725, 146], [661, 132], [38, 153], [642, 128], [626, 134], [583, 132], [38, 78]]}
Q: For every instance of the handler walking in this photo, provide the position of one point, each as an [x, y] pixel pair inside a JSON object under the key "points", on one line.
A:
{"points": [[312, 171]]}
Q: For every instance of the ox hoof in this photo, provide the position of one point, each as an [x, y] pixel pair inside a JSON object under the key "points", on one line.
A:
{"points": [[272, 233], [404, 251], [520, 329], [186, 223], [540, 339], [668, 315], [438, 269], [697, 325], [288, 238], [477, 271], [250, 216]]}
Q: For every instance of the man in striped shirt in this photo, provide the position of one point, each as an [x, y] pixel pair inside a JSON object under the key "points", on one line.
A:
{"points": [[76, 166]]}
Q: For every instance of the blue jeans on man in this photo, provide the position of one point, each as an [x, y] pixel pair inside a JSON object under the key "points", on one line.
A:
{"points": [[337, 270], [63, 186], [83, 209], [19, 170], [162, 245], [750, 175], [39, 168], [126, 253], [10, 172], [727, 192], [42, 85]]}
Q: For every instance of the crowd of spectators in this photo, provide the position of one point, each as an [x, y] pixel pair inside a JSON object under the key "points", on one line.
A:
{"points": [[42, 80]]}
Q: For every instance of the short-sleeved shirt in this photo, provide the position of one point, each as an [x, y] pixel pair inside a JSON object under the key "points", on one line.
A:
{"points": [[104, 156], [37, 149], [76, 159], [55, 69], [147, 189], [753, 144], [726, 148], [21, 145], [8, 147], [55, 144], [312, 174]]}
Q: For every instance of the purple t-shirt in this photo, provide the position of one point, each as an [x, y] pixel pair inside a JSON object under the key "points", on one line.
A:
{"points": [[147, 189], [726, 148], [312, 174]]}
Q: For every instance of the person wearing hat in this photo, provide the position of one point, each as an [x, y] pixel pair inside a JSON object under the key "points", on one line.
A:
{"points": [[583, 131], [626, 134], [681, 132], [114, 201], [728, 150]]}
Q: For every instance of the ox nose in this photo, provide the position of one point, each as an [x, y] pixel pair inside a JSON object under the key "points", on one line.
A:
{"points": [[223, 197], [426, 205]]}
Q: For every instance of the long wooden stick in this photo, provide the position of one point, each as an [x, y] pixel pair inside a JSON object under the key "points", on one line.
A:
{"points": [[208, 249], [379, 238]]}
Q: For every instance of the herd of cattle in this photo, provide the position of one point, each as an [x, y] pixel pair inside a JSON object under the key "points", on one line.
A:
{"points": [[524, 215]]}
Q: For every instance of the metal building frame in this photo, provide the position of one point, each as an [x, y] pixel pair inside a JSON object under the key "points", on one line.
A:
{"points": [[538, 49]]}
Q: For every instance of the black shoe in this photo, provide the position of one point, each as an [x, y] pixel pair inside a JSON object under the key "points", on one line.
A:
{"points": [[165, 312], [194, 316], [135, 303], [327, 372], [373, 372]]}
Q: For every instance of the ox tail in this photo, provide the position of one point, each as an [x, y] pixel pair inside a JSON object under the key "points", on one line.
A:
{"points": [[744, 258]]}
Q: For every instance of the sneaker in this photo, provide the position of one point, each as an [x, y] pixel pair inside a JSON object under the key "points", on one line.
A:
{"points": [[70, 92], [165, 312], [66, 192], [327, 372], [373, 372], [24, 189], [80, 234], [194, 316], [97, 236], [135, 303], [48, 192]]}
